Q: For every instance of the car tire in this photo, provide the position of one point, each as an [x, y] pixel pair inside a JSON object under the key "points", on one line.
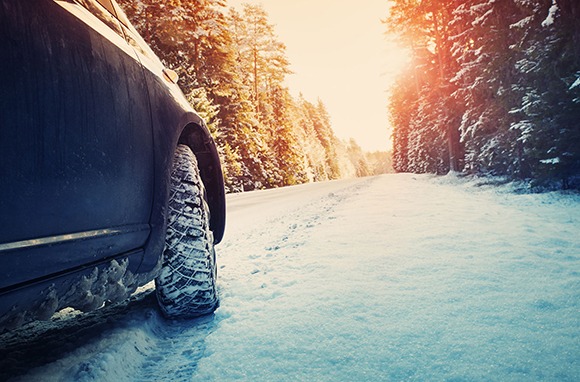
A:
{"points": [[186, 285]]}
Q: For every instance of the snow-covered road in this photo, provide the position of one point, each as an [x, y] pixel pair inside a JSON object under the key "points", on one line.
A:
{"points": [[398, 277]]}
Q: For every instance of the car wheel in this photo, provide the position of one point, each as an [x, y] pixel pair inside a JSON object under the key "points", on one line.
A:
{"points": [[186, 286]]}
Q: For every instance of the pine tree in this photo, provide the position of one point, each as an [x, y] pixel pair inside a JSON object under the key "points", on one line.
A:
{"points": [[259, 52], [424, 113], [232, 68], [254, 42], [314, 152], [549, 109], [404, 95], [508, 76], [358, 158], [484, 47], [285, 143]]}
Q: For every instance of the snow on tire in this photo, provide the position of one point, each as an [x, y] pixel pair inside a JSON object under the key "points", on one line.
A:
{"points": [[186, 285]]}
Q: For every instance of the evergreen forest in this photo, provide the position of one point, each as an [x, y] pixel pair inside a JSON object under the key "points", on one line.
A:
{"points": [[232, 68], [493, 89]]}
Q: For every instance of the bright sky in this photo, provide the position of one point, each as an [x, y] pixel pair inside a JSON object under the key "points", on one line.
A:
{"points": [[339, 53]]}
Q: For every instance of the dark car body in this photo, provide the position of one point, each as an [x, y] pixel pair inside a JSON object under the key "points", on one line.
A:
{"points": [[89, 122]]}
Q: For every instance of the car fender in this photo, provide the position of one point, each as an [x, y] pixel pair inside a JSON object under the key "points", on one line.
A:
{"points": [[196, 135], [193, 132]]}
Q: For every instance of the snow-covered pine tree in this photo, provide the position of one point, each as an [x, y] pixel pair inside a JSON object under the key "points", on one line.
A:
{"points": [[424, 115], [314, 152], [193, 38], [483, 44], [404, 94], [358, 158], [549, 108], [232, 68], [287, 148]]}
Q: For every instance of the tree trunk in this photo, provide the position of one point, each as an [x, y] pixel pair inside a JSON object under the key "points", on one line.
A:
{"points": [[452, 133]]}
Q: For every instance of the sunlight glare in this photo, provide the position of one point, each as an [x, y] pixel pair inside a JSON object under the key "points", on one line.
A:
{"points": [[398, 58]]}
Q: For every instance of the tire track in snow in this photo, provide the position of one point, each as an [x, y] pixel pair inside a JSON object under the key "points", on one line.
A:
{"points": [[272, 241]]}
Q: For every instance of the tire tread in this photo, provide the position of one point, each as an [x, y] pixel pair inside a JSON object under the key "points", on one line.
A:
{"points": [[186, 287]]}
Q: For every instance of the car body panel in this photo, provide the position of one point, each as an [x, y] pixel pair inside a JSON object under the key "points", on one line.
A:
{"points": [[88, 128]]}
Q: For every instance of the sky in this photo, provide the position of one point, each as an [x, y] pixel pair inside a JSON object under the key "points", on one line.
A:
{"points": [[339, 53]]}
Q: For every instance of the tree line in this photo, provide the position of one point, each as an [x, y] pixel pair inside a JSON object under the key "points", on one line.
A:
{"points": [[494, 89], [232, 69]]}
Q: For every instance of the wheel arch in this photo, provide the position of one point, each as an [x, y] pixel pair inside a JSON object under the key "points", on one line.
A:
{"points": [[197, 137]]}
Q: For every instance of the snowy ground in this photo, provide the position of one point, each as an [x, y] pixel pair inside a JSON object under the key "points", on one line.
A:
{"points": [[392, 278]]}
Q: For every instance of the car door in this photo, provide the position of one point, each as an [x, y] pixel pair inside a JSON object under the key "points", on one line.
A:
{"points": [[76, 144]]}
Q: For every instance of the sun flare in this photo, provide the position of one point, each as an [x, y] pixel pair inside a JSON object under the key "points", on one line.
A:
{"points": [[398, 58]]}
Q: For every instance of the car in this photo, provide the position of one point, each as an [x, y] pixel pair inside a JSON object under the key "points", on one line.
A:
{"points": [[108, 178]]}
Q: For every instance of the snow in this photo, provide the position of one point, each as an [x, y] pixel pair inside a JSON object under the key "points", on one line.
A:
{"points": [[481, 19], [522, 23], [575, 84], [398, 277], [112, 282], [524, 127], [555, 160], [551, 14]]}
